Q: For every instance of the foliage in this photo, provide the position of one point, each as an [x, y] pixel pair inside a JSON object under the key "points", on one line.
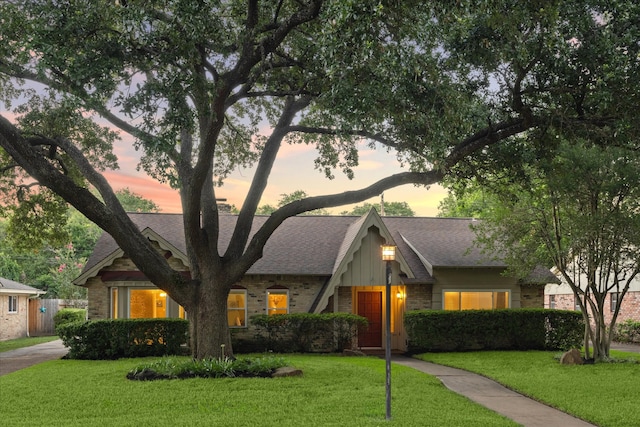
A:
{"points": [[205, 88], [467, 201], [577, 209], [523, 329], [334, 391], [390, 209], [134, 202], [286, 199], [627, 331], [69, 315], [117, 338], [307, 332], [171, 368]]}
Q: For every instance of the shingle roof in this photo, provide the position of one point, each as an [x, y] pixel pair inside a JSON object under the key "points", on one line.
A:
{"points": [[8, 286], [314, 245]]}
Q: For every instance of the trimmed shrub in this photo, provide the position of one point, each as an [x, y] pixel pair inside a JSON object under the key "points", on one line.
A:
{"points": [[116, 338], [306, 332], [68, 315], [627, 331], [468, 330]]}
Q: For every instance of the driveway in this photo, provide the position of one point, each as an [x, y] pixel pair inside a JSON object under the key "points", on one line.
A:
{"points": [[14, 360]]}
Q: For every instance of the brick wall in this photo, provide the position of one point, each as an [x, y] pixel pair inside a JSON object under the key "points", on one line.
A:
{"points": [[13, 325], [629, 309]]}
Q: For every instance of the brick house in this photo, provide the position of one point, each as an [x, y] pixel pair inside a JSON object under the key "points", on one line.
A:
{"points": [[560, 296], [14, 308], [323, 264]]}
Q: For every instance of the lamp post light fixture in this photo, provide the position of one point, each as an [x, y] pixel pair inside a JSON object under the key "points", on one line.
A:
{"points": [[388, 255]]}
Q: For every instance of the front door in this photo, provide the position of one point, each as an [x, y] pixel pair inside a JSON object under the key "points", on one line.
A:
{"points": [[370, 306]]}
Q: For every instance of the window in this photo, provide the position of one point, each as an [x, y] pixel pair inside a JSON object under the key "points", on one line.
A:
{"points": [[147, 303], [576, 303], [114, 303], [277, 301], [552, 301], [613, 301], [237, 308], [476, 300], [13, 304]]}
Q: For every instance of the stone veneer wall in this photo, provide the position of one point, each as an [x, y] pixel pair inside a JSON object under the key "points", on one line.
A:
{"points": [[531, 296], [419, 297]]}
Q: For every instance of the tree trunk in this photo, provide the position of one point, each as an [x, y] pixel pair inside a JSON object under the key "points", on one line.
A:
{"points": [[210, 335]]}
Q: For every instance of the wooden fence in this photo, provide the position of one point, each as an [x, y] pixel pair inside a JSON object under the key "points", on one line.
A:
{"points": [[41, 312]]}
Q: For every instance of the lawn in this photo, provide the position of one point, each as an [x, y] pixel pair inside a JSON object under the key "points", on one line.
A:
{"points": [[24, 342], [334, 391], [606, 394]]}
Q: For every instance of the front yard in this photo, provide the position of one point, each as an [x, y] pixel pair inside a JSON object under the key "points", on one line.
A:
{"points": [[605, 394], [334, 391]]}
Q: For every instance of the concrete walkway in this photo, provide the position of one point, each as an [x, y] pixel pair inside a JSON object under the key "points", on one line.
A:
{"points": [[494, 396], [11, 361]]}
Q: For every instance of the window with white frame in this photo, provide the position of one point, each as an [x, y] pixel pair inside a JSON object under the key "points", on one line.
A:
{"points": [[613, 301], [475, 300], [13, 303], [552, 301], [576, 303], [277, 301], [237, 308]]}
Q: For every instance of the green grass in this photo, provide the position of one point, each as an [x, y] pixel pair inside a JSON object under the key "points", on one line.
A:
{"points": [[606, 394], [334, 391], [24, 342]]}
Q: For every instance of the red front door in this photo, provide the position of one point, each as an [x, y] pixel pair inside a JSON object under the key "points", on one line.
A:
{"points": [[370, 306]]}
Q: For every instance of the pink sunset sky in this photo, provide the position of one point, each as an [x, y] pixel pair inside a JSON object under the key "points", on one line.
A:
{"points": [[293, 170]]}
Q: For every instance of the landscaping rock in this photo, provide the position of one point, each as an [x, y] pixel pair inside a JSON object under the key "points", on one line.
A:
{"points": [[286, 371], [572, 357]]}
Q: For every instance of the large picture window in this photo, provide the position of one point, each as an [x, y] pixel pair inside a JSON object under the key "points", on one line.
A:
{"points": [[13, 304], [476, 300], [147, 303], [237, 308], [277, 301]]}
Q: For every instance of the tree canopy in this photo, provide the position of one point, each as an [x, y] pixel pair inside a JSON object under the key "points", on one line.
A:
{"points": [[197, 82]]}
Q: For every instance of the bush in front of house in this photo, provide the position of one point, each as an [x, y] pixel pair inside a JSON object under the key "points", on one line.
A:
{"points": [[306, 332], [469, 330], [627, 331], [171, 368], [117, 338], [68, 315]]}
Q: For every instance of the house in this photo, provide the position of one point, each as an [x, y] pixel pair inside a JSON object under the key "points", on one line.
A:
{"points": [[560, 296], [323, 264], [14, 308]]}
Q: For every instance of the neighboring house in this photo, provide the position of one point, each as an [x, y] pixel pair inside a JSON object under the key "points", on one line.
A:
{"points": [[560, 296], [14, 308], [323, 264]]}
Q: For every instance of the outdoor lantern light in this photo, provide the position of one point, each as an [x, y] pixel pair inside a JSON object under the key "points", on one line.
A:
{"points": [[388, 255]]}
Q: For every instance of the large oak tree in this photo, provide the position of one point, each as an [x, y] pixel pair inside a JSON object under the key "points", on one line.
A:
{"points": [[433, 82]]}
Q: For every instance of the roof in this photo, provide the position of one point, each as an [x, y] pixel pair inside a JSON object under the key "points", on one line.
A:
{"points": [[10, 287], [317, 245]]}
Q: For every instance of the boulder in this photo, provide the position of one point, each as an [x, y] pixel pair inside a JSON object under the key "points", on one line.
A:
{"points": [[572, 357]]}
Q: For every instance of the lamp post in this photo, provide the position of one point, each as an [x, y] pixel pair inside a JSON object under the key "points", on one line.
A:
{"points": [[388, 255]]}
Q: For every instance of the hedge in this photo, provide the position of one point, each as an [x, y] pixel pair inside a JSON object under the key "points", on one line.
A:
{"points": [[304, 332], [68, 315], [116, 338], [509, 329], [627, 331]]}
